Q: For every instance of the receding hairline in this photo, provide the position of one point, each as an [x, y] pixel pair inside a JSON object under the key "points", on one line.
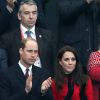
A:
{"points": [[26, 3], [24, 41], [32, 2]]}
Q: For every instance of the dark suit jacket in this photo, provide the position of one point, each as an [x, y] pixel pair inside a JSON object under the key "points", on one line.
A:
{"points": [[11, 43], [3, 59], [12, 84]]}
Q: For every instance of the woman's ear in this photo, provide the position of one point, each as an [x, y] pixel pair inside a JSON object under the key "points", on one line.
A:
{"points": [[60, 62]]}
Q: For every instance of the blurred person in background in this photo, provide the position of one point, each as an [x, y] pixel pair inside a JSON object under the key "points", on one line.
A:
{"points": [[94, 71]]}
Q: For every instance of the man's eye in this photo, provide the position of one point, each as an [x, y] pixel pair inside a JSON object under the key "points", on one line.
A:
{"points": [[35, 51], [30, 50], [26, 13]]}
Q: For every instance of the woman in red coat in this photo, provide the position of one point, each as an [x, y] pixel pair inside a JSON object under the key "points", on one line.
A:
{"points": [[69, 82]]}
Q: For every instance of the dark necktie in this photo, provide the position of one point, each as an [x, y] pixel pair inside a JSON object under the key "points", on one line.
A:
{"points": [[27, 73], [28, 33]]}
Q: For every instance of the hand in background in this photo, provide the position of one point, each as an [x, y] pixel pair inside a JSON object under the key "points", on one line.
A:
{"points": [[10, 5]]}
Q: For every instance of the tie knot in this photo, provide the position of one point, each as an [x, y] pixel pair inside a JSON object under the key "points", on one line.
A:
{"points": [[28, 33]]}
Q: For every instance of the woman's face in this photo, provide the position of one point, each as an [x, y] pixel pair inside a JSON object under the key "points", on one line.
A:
{"points": [[68, 62]]}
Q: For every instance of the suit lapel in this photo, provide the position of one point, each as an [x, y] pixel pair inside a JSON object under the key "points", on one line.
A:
{"points": [[19, 74], [39, 38], [35, 76], [17, 38]]}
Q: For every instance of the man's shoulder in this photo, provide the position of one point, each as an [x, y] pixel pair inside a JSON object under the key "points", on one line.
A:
{"points": [[44, 33], [42, 30], [40, 70]]}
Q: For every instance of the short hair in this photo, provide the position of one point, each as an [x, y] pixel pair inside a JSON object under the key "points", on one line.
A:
{"points": [[29, 2], [25, 40]]}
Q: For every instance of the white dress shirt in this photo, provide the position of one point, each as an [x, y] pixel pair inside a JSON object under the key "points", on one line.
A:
{"points": [[23, 30], [23, 68]]}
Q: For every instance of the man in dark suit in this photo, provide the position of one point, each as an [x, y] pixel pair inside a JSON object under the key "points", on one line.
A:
{"points": [[8, 14], [10, 42], [24, 81]]}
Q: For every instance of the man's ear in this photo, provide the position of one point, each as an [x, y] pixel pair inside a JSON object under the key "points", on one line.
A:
{"points": [[20, 51]]}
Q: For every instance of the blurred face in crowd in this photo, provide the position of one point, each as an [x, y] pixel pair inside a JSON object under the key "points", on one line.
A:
{"points": [[28, 15], [29, 53], [68, 62]]}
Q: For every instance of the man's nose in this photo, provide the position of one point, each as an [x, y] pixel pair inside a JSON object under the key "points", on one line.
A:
{"points": [[30, 15], [34, 53]]}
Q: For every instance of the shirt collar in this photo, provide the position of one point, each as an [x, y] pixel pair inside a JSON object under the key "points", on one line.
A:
{"points": [[23, 68], [24, 29]]}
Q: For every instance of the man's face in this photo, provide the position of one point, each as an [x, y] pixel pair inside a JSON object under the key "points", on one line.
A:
{"points": [[28, 15], [29, 54]]}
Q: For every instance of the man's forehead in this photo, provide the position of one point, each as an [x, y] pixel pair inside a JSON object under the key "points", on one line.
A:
{"points": [[31, 42], [32, 46], [28, 6], [33, 49]]}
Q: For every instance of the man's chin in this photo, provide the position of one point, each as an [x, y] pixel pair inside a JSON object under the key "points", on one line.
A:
{"points": [[31, 63], [30, 25]]}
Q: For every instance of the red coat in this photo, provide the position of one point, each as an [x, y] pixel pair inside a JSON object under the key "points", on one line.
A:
{"points": [[76, 94]]}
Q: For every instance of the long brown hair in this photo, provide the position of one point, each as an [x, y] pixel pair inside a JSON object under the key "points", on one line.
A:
{"points": [[77, 75]]}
